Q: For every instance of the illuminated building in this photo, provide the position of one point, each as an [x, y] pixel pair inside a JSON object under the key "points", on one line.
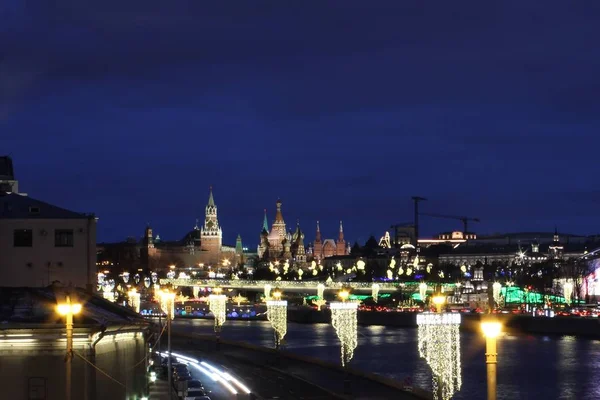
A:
{"points": [[278, 244], [33, 347], [200, 246], [329, 247], [518, 248], [211, 235]]}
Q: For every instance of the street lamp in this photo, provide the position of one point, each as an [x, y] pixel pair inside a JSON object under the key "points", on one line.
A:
{"points": [[167, 302], [344, 294], [491, 330], [69, 309], [439, 301]]}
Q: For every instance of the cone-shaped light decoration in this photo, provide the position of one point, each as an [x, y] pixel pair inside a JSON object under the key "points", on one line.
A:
{"points": [[277, 315], [439, 345], [375, 292], [217, 304]]}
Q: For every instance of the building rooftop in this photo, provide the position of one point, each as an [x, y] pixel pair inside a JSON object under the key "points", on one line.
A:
{"points": [[515, 248], [34, 306], [18, 206], [526, 235]]}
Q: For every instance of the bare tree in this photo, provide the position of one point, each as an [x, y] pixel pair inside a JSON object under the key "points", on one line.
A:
{"points": [[576, 270]]}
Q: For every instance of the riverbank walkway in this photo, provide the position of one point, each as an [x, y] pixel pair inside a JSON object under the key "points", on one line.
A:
{"points": [[282, 375]]}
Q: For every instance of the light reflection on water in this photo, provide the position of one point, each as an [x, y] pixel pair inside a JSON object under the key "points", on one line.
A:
{"points": [[529, 367]]}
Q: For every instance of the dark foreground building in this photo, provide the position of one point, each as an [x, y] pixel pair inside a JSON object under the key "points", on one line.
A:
{"points": [[113, 340]]}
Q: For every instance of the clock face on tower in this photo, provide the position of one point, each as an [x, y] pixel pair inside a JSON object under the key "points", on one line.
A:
{"points": [[209, 224]]}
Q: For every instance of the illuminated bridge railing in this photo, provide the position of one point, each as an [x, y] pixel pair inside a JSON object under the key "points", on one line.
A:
{"points": [[259, 285]]}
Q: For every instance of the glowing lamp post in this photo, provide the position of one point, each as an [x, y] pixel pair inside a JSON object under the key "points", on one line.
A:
{"points": [[439, 345], [491, 330], [277, 314], [217, 304], [344, 294], [438, 301], [167, 303], [134, 300], [69, 309]]}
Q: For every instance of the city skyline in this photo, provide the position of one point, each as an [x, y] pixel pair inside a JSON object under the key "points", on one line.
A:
{"points": [[138, 112]]}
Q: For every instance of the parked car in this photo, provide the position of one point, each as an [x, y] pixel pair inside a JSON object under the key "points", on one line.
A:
{"points": [[195, 384], [180, 370], [196, 394]]}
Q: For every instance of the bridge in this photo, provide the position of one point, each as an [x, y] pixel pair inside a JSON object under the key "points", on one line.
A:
{"points": [[590, 255], [295, 285]]}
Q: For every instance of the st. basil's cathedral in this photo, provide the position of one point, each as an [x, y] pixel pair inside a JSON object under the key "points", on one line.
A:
{"points": [[279, 244]]}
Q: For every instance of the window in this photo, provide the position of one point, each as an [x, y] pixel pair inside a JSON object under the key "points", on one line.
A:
{"points": [[23, 238], [63, 238]]}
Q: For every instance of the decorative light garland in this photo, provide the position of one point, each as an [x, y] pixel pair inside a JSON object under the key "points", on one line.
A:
{"points": [[196, 291], [297, 284], [423, 291], [319, 303], [439, 345], [277, 314], [134, 300], [268, 291], [217, 304], [345, 322], [320, 290], [496, 291], [375, 292], [568, 291], [182, 298], [167, 303], [239, 299]]}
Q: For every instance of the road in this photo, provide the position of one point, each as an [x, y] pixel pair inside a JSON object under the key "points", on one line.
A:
{"points": [[274, 375], [220, 384]]}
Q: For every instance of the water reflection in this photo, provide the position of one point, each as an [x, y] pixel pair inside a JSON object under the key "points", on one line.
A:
{"points": [[529, 367]]}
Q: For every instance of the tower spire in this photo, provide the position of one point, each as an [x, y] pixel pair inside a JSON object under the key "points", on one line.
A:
{"points": [[265, 223], [318, 235], [340, 248], [278, 214], [211, 200]]}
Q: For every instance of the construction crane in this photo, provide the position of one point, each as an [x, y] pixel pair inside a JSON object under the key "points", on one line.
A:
{"points": [[465, 220], [417, 200]]}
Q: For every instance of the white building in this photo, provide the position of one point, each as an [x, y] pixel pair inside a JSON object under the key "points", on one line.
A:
{"points": [[41, 243]]}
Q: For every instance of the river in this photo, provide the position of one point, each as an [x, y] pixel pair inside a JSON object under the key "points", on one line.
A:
{"points": [[529, 367]]}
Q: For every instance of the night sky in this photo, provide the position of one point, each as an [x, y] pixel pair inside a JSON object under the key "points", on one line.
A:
{"points": [[343, 109]]}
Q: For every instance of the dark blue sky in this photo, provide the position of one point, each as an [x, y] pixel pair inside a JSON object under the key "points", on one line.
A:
{"points": [[344, 109]]}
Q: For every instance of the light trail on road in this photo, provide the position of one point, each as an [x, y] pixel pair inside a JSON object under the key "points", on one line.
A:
{"points": [[214, 373]]}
